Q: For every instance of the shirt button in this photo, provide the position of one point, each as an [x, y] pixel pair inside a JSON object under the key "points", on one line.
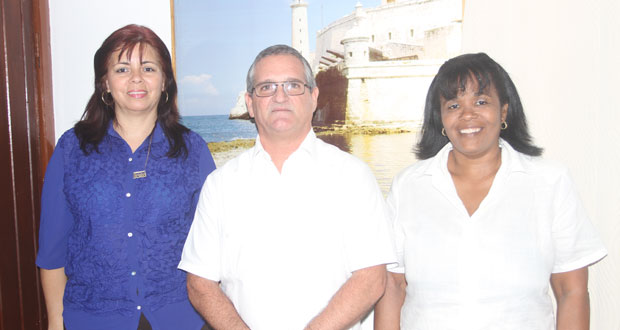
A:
{"points": [[139, 307], [133, 273], [130, 159], [128, 194], [130, 234]]}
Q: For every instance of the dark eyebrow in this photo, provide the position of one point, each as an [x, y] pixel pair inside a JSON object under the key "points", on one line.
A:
{"points": [[143, 62], [481, 93]]}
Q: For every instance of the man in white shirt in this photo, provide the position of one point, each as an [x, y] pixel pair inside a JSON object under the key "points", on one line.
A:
{"points": [[292, 233]]}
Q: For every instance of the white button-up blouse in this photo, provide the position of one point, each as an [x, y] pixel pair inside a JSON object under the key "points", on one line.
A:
{"points": [[490, 270]]}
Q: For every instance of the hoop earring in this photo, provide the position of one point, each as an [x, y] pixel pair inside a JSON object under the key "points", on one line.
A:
{"points": [[166, 101], [504, 125], [443, 131], [103, 99]]}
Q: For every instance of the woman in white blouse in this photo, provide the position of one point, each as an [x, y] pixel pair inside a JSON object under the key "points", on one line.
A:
{"points": [[482, 224]]}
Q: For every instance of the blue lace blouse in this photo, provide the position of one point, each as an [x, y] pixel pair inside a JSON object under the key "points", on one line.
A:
{"points": [[118, 238]]}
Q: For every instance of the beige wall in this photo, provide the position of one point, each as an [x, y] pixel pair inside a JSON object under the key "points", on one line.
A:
{"points": [[564, 57], [77, 29]]}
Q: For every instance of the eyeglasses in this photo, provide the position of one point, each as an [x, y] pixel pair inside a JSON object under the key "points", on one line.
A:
{"points": [[291, 88]]}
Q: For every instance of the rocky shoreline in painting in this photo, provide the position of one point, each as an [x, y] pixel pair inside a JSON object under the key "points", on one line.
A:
{"points": [[226, 150]]}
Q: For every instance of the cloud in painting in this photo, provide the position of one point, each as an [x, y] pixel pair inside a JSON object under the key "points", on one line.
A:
{"points": [[201, 84]]}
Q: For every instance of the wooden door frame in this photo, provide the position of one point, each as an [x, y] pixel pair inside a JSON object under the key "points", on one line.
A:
{"points": [[26, 143]]}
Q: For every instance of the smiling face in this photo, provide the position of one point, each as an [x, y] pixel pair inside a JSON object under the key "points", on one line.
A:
{"points": [[136, 83], [281, 116], [472, 120]]}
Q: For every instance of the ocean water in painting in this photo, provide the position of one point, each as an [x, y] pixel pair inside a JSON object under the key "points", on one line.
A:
{"points": [[386, 154], [218, 128]]}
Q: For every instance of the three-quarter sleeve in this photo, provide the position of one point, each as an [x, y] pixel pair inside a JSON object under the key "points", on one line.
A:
{"points": [[56, 219]]}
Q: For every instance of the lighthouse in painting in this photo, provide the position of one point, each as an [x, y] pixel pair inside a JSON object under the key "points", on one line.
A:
{"points": [[299, 40]]}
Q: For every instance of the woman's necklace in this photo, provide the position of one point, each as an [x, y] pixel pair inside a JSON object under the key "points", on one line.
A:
{"points": [[142, 174]]}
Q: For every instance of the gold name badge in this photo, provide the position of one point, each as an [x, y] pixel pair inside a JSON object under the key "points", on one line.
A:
{"points": [[139, 174]]}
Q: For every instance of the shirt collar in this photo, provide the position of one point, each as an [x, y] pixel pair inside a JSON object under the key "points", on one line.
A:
{"points": [[158, 133], [512, 160], [307, 146]]}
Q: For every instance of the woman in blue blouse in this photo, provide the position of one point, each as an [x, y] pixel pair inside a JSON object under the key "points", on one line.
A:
{"points": [[119, 197]]}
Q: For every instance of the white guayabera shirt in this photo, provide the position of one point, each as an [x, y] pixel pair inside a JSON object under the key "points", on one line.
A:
{"points": [[282, 244], [490, 270]]}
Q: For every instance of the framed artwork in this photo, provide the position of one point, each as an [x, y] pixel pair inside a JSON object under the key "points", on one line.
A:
{"points": [[373, 62]]}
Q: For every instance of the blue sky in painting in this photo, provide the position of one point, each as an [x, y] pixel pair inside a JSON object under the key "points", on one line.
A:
{"points": [[217, 40]]}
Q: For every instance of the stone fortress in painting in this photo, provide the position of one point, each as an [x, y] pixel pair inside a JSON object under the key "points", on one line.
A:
{"points": [[374, 65]]}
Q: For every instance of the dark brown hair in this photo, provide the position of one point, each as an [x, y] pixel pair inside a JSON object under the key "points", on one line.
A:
{"points": [[92, 127]]}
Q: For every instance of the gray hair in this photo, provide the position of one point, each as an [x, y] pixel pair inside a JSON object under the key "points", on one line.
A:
{"points": [[279, 50]]}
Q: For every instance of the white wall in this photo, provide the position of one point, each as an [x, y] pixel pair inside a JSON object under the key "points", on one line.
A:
{"points": [[77, 29], [563, 57]]}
